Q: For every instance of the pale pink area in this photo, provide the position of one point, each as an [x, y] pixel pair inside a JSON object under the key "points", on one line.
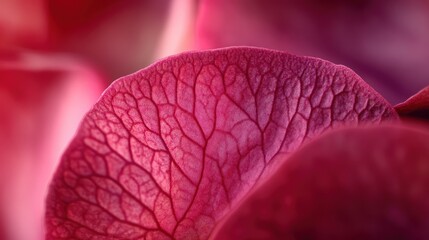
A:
{"points": [[383, 41], [178, 33], [43, 97]]}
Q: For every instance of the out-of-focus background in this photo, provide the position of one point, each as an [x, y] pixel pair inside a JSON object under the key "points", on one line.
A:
{"points": [[57, 56]]}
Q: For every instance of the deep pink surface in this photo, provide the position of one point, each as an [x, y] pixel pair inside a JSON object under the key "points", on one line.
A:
{"points": [[167, 151], [351, 184]]}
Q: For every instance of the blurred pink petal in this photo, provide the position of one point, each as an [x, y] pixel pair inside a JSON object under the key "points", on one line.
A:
{"points": [[22, 22], [178, 32], [416, 107], [119, 37], [383, 41], [42, 99]]}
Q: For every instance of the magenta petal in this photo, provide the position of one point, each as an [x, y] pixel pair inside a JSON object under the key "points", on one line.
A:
{"points": [[416, 107], [351, 184], [167, 151]]}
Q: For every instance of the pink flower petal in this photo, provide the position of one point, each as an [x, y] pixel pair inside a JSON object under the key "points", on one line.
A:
{"points": [[351, 184], [416, 107], [167, 151]]}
